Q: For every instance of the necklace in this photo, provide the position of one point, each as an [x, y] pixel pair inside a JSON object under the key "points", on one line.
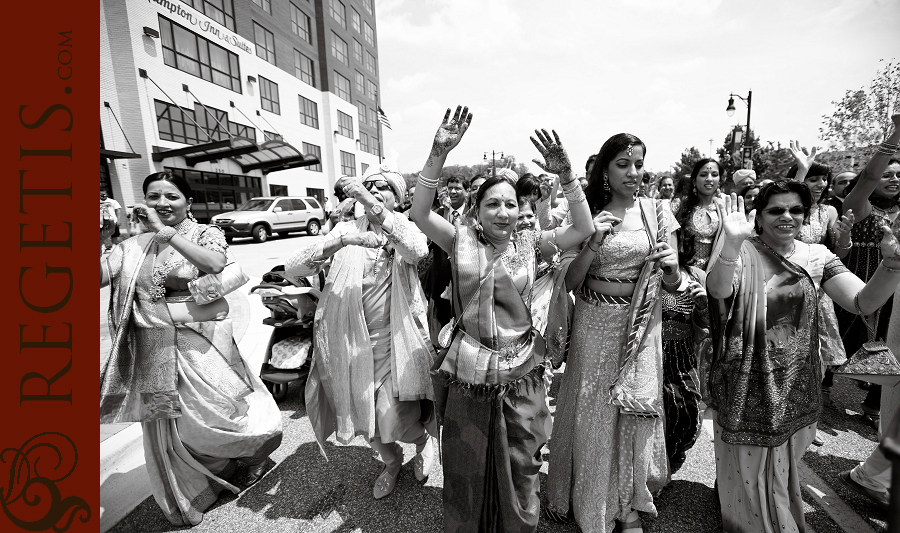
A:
{"points": [[786, 256], [160, 272]]}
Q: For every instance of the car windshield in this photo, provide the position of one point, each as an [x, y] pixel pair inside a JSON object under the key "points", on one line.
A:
{"points": [[255, 204]]}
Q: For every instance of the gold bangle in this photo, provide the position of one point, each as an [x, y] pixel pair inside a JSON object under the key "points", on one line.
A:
{"points": [[727, 261], [889, 269]]}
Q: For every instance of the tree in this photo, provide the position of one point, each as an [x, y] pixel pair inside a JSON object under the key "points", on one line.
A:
{"points": [[689, 158], [777, 162], [863, 117]]}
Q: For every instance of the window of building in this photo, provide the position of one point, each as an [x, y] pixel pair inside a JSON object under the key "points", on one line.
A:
{"points": [[357, 51], [341, 86], [368, 5], [360, 83], [215, 193], [265, 4], [364, 142], [373, 146], [265, 43], [315, 151], [371, 63], [175, 124], [309, 112], [348, 164], [221, 11], [339, 49], [318, 194], [188, 52], [241, 130], [355, 20], [365, 167], [371, 89], [301, 24], [303, 68], [268, 95], [272, 136], [278, 190], [338, 12], [369, 34], [345, 124], [373, 118], [362, 112]]}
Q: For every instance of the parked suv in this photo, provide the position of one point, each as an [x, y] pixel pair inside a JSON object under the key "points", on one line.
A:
{"points": [[262, 216]]}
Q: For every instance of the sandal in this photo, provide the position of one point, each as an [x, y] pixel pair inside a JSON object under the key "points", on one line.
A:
{"points": [[385, 484]]}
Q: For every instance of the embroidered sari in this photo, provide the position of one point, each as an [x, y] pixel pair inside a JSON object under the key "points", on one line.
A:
{"points": [[764, 383], [490, 392], [200, 406]]}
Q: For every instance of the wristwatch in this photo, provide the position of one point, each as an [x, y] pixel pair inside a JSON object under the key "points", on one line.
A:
{"points": [[376, 209]]}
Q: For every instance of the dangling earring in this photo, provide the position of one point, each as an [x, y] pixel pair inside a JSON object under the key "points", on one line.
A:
{"points": [[190, 215], [606, 183]]}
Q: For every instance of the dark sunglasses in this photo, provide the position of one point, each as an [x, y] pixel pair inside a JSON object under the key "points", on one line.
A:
{"points": [[778, 211], [381, 185]]}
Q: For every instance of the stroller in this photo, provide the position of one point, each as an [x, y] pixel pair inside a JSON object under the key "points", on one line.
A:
{"points": [[292, 306]]}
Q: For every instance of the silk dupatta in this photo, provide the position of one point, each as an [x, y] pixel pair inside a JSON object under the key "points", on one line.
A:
{"points": [[764, 379], [139, 379], [340, 391]]}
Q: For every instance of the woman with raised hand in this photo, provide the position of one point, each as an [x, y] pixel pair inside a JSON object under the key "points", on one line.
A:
{"points": [[371, 357], [874, 201], [609, 451], [766, 369], [821, 228], [491, 380], [174, 366], [698, 213]]}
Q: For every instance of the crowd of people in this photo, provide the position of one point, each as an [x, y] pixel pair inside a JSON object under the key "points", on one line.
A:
{"points": [[445, 317]]}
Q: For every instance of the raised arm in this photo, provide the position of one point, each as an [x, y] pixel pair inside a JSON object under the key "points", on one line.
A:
{"points": [[448, 135], [803, 159], [208, 260], [737, 227], [867, 181], [852, 294], [842, 242], [556, 161]]}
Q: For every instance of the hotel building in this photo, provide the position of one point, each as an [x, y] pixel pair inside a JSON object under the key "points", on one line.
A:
{"points": [[243, 98]]}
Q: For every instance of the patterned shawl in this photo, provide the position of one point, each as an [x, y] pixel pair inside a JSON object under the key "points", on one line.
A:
{"points": [[139, 379], [340, 392], [765, 374]]}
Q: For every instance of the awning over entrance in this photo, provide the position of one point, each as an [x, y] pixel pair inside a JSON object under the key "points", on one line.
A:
{"points": [[198, 153], [273, 156], [112, 154]]}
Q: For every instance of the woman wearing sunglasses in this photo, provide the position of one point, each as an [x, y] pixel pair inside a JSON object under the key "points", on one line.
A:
{"points": [[766, 368], [371, 356], [490, 392]]}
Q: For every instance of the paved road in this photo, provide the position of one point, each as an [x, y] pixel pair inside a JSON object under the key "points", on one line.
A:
{"points": [[304, 492]]}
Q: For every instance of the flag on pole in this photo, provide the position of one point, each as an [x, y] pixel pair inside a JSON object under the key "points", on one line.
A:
{"points": [[383, 119]]}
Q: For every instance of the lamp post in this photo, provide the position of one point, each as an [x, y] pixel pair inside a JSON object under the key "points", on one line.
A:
{"points": [[493, 161], [746, 153]]}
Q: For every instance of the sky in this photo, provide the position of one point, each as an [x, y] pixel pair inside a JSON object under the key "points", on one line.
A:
{"points": [[659, 69]]}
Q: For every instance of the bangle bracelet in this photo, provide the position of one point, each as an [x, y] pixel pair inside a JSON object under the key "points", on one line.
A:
{"points": [[727, 261], [165, 235], [342, 241], [595, 250], [428, 183], [839, 246], [890, 269]]}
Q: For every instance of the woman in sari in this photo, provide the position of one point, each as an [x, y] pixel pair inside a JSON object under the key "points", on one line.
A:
{"points": [[491, 381], [698, 213], [372, 354], [174, 366], [766, 370], [820, 228], [874, 201], [609, 451]]}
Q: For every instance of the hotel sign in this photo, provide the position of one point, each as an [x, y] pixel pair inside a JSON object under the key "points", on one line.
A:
{"points": [[176, 8]]}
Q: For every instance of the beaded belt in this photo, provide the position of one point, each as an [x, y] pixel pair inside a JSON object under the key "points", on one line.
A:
{"points": [[612, 280], [674, 329], [596, 298]]}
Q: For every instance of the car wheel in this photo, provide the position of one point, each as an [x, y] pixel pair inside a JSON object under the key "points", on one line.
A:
{"points": [[229, 240], [259, 233], [283, 233], [313, 227]]}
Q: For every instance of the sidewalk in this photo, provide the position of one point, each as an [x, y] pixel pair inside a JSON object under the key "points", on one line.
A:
{"points": [[123, 478]]}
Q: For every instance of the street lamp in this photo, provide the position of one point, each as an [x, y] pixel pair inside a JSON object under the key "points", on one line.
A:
{"points": [[745, 153], [493, 161]]}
